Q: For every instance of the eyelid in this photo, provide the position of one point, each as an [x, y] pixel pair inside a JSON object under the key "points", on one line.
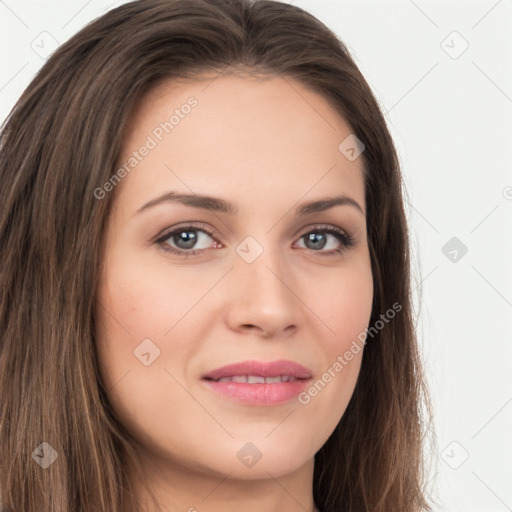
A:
{"points": [[164, 234]]}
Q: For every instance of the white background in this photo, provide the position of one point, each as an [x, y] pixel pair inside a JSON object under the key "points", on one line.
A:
{"points": [[450, 113]]}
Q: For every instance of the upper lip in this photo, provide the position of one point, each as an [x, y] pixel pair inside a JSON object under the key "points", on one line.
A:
{"points": [[261, 368]]}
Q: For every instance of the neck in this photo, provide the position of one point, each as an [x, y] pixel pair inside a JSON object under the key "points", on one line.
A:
{"points": [[177, 487]]}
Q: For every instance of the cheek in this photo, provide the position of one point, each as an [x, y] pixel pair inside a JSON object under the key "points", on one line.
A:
{"points": [[344, 305], [140, 301], [137, 307], [146, 299]]}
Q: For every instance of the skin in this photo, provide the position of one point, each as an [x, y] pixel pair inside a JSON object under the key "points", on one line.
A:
{"points": [[265, 144]]}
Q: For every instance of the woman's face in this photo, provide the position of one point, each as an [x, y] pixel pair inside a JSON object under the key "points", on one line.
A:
{"points": [[260, 281]]}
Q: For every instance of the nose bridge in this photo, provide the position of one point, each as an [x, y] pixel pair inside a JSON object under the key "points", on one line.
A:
{"points": [[263, 294], [262, 266]]}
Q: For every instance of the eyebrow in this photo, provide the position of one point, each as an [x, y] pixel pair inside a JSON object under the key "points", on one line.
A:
{"points": [[215, 204]]}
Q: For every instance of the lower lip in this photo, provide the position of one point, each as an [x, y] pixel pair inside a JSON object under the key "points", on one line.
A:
{"points": [[259, 394]]}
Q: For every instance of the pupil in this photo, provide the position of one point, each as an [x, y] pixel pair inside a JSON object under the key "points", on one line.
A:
{"points": [[187, 239], [313, 237]]}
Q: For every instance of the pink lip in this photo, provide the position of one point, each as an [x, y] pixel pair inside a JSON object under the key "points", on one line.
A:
{"points": [[273, 369], [259, 393]]}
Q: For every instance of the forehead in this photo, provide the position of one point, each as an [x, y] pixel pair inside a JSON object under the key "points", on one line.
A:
{"points": [[241, 131]]}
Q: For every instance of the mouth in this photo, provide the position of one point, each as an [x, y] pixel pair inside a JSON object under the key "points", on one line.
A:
{"points": [[259, 383], [257, 379]]}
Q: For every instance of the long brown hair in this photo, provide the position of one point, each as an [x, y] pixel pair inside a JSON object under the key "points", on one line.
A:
{"points": [[61, 142]]}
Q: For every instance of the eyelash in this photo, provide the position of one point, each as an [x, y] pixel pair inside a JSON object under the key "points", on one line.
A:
{"points": [[346, 240]]}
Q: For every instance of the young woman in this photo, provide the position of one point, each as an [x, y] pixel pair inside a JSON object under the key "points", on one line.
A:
{"points": [[205, 281]]}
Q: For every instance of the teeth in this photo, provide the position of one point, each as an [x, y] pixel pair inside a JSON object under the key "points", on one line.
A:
{"points": [[257, 379]]}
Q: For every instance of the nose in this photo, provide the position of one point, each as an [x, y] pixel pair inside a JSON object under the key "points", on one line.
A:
{"points": [[262, 298]]}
